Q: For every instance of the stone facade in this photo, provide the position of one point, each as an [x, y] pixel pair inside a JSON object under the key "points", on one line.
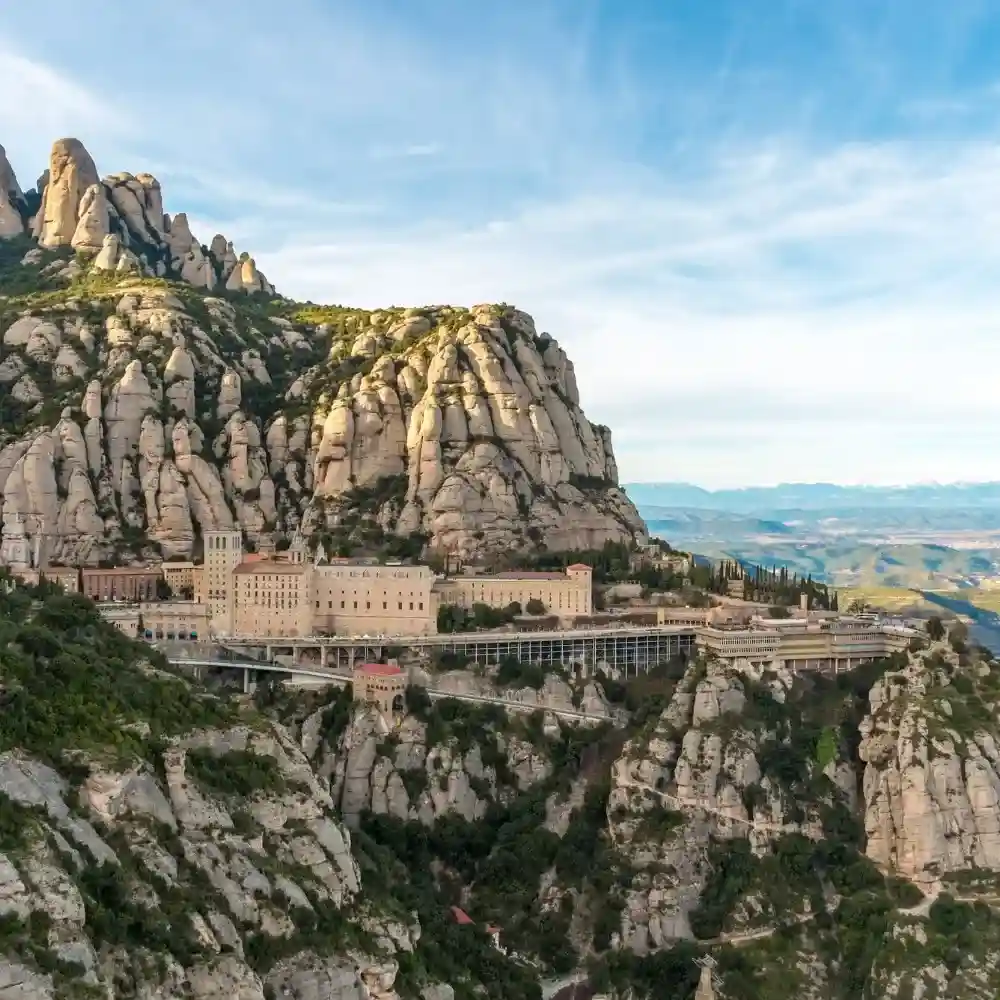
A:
{"points": [[174, 621], [352, 597], [563, 594], [223, 553], [125, 618], [121, 583], [803, 644], [67, 577], [380, 684], [179, 576], [272, 598]]}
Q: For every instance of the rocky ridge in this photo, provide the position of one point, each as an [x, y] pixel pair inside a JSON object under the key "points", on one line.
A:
{"points": [[160, 842], [157, 387], [932, 768], [818, 838], [772, 817]]}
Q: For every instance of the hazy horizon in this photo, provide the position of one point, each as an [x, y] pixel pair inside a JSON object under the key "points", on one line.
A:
{"points": [[784, 484]]}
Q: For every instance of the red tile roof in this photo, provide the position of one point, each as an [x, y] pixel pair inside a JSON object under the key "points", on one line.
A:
{"points": [[580, 566], [461, 917], [380, 669]]}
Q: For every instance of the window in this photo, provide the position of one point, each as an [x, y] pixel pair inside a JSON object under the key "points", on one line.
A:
{"points": [[385, 605], [368, 605], [341, 605], [400, 605], [355, 605], [421, 605], [411, 605]]}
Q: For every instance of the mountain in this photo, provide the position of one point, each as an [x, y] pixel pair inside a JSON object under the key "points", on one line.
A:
{"points": [[815, 496], [155, 387], [740, 834]]}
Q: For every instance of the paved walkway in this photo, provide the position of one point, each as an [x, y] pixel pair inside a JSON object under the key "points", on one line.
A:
{"points": [[507, 700]]}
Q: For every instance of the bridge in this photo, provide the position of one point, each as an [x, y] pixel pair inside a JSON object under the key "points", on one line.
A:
{"points": [[251, 669], [627, 650]]}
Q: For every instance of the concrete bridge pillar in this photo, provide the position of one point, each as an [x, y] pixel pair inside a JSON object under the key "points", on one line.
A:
{"points": [[322, 656]]}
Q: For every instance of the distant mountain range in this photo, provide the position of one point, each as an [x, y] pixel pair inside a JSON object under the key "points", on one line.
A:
{"points": [[925, 536], [815, 496]]}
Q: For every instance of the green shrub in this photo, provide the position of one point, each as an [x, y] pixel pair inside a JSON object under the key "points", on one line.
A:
{"points": [[237, 773]]}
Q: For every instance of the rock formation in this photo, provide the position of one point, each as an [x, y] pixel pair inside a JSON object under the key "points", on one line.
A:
{"points": [[11, 197], [465, 424], [932, 774], [71, 173], [161, 841]]}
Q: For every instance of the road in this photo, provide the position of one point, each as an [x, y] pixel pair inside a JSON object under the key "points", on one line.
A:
{"points": [[335, 676]]}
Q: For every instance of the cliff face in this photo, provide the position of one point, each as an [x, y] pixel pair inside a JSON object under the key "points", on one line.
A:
{"points": [[157, 387], [159, 841], [932, 769], [773, 817]]}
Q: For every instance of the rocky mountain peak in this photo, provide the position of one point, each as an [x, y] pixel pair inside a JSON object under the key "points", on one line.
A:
{"points": [[71, 173], [118, 222], [159, 388], [11, 197]]}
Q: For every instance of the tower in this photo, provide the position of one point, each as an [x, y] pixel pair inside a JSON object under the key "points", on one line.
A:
{"points": [[223, 553], [298, 551], [15, 550]]}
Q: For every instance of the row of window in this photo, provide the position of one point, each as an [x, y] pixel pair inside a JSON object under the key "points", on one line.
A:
{"points": [[170, 634], [368, 605]]}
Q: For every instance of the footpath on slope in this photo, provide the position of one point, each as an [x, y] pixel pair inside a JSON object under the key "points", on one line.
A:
{"points": [[921, 909]]}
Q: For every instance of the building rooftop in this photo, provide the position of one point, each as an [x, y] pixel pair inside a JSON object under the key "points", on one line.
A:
{"points": [[269, 566], [121, 570], [461, 917], [379, 669], [580, 566], [520, 575]]}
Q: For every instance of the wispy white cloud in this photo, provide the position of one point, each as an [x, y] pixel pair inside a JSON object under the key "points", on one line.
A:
{"points": [[415, 149], [749, 293], [40, 104], [788, 297]]}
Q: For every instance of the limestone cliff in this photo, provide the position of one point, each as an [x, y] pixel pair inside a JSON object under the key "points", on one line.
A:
{"points": [[699, 774], [749, 800], [160, 841], [156, 387], [932, 768], [156, 841]]}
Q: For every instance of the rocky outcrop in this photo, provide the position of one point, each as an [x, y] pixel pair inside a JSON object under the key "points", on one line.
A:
{"points": [[482, 417], [399, 774], [11, 198], [71, 173], [466, 424], [505, 483], [119, 221], [932, 774], [694, 778], [236, 888]]}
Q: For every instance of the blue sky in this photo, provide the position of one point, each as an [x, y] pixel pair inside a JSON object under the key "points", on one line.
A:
{"points": [[767, 231]]}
